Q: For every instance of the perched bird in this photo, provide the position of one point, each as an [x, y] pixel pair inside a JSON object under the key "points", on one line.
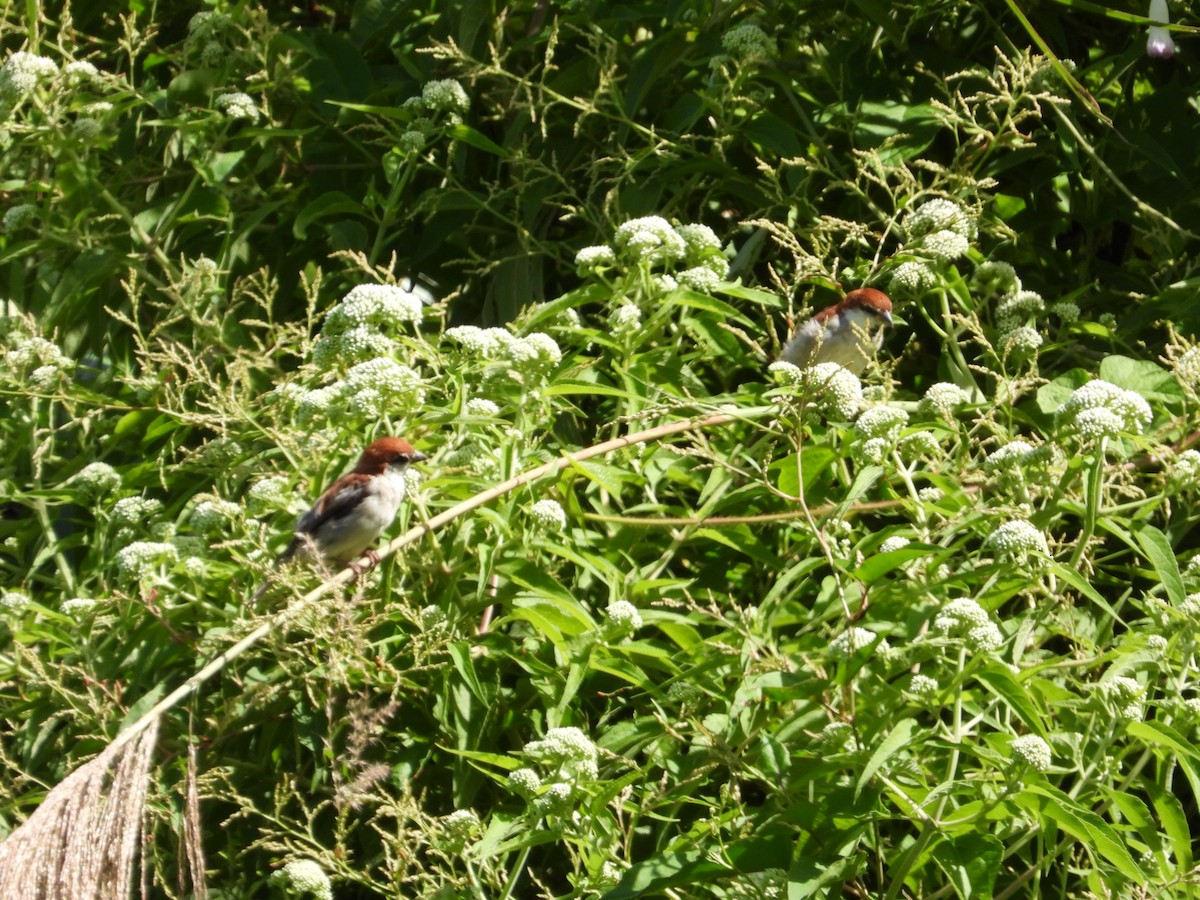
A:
{"points": [[847, 333], [349, 517]]}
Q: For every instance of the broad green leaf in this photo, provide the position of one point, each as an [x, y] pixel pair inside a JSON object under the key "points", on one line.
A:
{"points": [[1083, 825], [899, 737], [814, 460], [971, 862], [1000, 680], [1174, 821], [879, 564], [1157, 549], [332, 203], [1142, 376], [1053, 395]]}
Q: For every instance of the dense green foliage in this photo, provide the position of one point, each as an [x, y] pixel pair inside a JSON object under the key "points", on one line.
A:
{"points": [[930, 634]]}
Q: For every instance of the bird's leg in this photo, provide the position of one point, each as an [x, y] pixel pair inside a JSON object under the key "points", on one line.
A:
{"points": [[372, 560]]}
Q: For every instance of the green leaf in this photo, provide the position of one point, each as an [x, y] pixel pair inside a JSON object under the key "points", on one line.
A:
{"points": [[971, 862], [567, 387], [1142, 376], [669, 870], [331, 203], [1174, 822], [814, 459], [134, 422], [1005, 686], [879, 564], [900, 736], [1053, 395], [694, 300], [1083, 825], [470, 136], [1158, 550]]}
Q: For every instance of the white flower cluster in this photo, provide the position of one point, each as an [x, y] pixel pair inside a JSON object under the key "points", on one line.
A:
{"points": [[204, 25], [1066, 310], [446, 95], [835, 736], [895, 542], [482, 407], [964, 618], [943, 398], [565, 753], [433, 618], [1033, 751], [995, 279], [361, 325], [854, 639], [941, 229], [940, 214], [1101, 409], [623, 620], [479, 459], [1186, 468], [549, 514], [879, 431], [945, 245], [1016, 540], [1012, 457], [1123, 695], [652, 241], [836, 390], [1187, 368], [211, 513], [592, 258], [369, 390], [919, 444], [43, 363], [748, 43], [1190, 606], [524, 781], [269, 493], [13, 602], [78, 607], [924, 685], [17, 217], [1025, 340], [237, 105], [22, 72], [133, 511], [303, 878], [95, 480], [535, 353], [700, 279], [1017, 308], [459, 827], [625, 319], [566, 757], [913, 278], [141, 558], [80, 72]]}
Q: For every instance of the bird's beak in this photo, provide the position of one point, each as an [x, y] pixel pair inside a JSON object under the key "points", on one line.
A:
{"points": [[418, 456], [887, 317]]}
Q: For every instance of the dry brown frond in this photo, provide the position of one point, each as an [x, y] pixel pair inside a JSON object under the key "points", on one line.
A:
{"points": [[82, 841]]}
